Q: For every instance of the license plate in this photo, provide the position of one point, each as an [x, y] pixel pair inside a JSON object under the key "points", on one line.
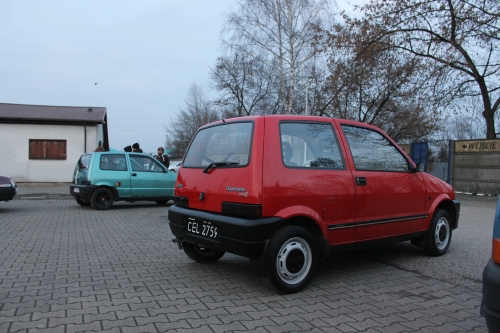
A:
{"points": [[76, 190], [202, 228]]}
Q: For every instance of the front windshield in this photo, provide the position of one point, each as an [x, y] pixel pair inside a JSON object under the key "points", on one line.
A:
{"points": [[227, 143]]}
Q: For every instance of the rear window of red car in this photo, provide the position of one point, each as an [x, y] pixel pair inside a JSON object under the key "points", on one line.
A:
{"points": [[230, 142]]}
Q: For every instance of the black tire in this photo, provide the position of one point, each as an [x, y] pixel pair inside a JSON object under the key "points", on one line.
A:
{"points": [[201, 254], [439, 234], [84, 203], [161, 202], [291, 258], [102, 198]]}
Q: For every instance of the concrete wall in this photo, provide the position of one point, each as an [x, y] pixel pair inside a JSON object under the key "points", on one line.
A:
{"points": [[14, 151], [476, 166]]}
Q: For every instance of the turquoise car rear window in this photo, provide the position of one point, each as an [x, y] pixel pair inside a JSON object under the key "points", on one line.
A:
{"points": [[84, 161]]}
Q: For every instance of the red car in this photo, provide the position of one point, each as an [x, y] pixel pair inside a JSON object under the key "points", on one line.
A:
{"points": [[8, 188], [285, 190]]}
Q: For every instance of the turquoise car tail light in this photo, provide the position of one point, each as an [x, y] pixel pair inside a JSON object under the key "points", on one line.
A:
{"points": [[496, 236]]}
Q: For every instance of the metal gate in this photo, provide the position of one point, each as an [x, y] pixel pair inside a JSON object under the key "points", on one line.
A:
{"points": [[419, 153]]}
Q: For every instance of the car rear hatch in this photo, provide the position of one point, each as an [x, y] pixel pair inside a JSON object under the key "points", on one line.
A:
{"points": [[222, 170], [80, 175]]}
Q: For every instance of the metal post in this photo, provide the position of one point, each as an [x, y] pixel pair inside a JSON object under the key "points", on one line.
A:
{"points": [[307, 90], [307, 94], [450, 161]]}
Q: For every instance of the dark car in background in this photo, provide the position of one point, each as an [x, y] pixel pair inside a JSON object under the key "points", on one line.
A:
{"points": [[490, 306], [8, 188]]}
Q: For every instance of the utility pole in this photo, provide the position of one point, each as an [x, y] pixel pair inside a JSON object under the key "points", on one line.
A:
{"points": [[307, 94]]}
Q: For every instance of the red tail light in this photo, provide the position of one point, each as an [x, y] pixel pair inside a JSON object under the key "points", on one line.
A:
{"points": [[496, 250], [495, 253]]}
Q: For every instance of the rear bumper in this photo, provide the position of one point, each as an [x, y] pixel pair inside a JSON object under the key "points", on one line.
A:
{"points": [[81, 191], [7, 193], [490, 306], [244, 237]]}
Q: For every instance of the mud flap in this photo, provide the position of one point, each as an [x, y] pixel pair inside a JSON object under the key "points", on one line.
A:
{"points": [[259, 265], [324, 249], [178, 241]]}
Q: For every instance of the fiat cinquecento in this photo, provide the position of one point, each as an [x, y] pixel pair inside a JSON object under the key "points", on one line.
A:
{"points": [[286, 190], [101, 178]]}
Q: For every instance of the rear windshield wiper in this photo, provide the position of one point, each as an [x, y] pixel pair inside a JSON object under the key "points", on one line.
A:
{"points": [[217, 164]]}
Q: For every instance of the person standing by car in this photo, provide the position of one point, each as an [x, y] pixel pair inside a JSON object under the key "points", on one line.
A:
{"points": [[136, 148], [99, 147], [163, 158]]}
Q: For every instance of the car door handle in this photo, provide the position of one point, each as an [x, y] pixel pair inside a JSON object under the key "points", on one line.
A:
{"points": [[134, 174], [361, 181]]}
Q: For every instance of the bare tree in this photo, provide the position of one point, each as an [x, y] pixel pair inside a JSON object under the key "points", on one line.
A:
{"points": [[197, 112], [461, 37], [283, 30], [465, 122], [246, 87], [379, 85]]}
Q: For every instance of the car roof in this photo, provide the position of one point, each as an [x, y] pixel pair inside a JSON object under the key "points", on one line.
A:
{"points": [[291, 118], [117, 152]]}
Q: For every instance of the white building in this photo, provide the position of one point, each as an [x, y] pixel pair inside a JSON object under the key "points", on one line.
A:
{"points": [[40, 143]]}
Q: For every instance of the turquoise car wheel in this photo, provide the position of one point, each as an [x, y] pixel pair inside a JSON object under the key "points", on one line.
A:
{"points": [[102, 198]]}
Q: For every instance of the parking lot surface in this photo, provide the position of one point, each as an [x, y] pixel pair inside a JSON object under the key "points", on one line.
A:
{"points": [[66, 268]]}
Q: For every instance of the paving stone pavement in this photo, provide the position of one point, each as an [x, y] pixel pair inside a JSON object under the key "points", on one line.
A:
{"points": [[66, 268]]}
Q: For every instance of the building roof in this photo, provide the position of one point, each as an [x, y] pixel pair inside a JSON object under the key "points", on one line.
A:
{"points": [[48, 114]]}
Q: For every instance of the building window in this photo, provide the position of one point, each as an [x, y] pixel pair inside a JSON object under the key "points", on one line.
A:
{"points": [[47, 149]]}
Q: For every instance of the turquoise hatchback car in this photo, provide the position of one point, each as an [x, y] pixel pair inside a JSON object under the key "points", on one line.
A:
{"points": [[100, 178]]}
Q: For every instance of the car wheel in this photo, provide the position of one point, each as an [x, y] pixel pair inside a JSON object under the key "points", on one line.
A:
{"points": [[290, 259], [439, 234], [84, 203], [201, 254], [102, 198], [161, 202]]}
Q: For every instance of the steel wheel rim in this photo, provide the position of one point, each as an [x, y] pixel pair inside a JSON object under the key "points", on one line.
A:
{"points": [[442, 233], [294, 260]]}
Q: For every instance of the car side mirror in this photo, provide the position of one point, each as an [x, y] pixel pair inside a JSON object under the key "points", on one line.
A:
{"points": [[420, 167]]}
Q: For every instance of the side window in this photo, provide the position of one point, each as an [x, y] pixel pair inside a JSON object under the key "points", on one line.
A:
{"points": [[310, 145], [145, 164], [372, 151], [114, 162], [137, 163], [152, 165]]}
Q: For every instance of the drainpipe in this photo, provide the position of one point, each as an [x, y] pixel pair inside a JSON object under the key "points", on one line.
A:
{"points": [[84, 137]]}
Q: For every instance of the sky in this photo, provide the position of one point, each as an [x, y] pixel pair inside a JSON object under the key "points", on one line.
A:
{"points": [[136, 58]]}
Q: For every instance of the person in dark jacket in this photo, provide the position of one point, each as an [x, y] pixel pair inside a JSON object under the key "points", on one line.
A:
{"points": [[163, 158], [136, 148]]}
